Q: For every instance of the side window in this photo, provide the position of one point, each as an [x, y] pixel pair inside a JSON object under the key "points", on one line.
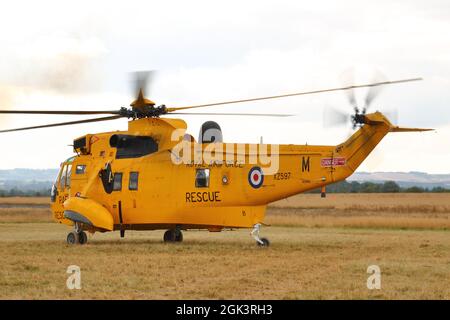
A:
{"points": [[117, 185], [134, 178], [202, 178], [80, 169]]}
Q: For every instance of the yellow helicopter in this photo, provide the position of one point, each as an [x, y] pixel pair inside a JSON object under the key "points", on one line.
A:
{"points": [[156, 176]]}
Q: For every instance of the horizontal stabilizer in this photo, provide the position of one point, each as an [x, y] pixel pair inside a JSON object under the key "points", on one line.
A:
{"points": [[400, 129]]}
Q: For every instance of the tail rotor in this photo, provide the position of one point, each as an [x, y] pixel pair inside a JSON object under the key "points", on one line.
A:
{"points": [[334, 117]]}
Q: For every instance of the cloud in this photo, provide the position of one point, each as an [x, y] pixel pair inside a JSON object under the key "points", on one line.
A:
{"points": [[6, 101], [63, 63], [6, 96], [208, 52]]}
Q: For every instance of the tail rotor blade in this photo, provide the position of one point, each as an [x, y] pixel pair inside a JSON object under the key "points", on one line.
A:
{"points": [[347, 79], [333, 117], [378, 78]]}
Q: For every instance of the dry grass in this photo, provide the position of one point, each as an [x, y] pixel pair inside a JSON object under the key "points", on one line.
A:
{"points": [[419, 211], [25, 209], [25, 215], [386, 222], [301, 264], [341, 201], [329, 262], [25, 200]]}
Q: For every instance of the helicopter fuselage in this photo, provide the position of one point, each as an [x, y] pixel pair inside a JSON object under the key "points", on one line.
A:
{"points": [[152, 177]]}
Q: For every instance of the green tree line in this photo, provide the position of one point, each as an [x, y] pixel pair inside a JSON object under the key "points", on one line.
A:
{"points": [[339, 187], [25, 193], [372, 187]]}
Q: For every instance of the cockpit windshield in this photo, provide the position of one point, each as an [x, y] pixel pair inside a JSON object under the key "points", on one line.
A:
{"points": [[63, 179], [65, 173]]}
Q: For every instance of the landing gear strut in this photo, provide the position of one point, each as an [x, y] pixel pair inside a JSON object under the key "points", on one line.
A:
{"points": [[262, 242], [173, 235], [78, 236]]}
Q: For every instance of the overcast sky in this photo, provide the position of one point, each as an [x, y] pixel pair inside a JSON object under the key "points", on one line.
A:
{"points": [[77, 55]]}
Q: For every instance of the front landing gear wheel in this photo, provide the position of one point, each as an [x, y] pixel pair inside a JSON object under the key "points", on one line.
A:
{"points": [[264, 242], [82, 237], [72, 238], [75, 237], [173, 235]]}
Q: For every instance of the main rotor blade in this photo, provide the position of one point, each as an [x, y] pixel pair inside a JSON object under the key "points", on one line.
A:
{"points": [[73, 112], [293, 94], [63, 123], [235, 114]]}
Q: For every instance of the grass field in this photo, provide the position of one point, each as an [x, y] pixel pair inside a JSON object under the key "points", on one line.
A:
{"points": [[392, 211], [320, 249]]}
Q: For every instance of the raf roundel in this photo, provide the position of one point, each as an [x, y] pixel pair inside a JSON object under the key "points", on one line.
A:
{"points": [[255, 177]]}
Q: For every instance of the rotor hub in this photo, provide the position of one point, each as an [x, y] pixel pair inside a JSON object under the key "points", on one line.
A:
{"points": [[147, 112], [358, 119]]}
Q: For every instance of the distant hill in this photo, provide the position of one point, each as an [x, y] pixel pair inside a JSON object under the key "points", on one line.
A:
{"points": [[404, 179], [29, 174], [27, 179]]}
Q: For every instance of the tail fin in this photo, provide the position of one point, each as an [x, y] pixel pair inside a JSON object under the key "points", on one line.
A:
{"points": [[362, 142]]}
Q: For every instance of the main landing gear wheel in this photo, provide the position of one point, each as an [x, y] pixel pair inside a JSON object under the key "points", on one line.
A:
{"points": [[264, 242], [261, 242], [173, 235]]}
